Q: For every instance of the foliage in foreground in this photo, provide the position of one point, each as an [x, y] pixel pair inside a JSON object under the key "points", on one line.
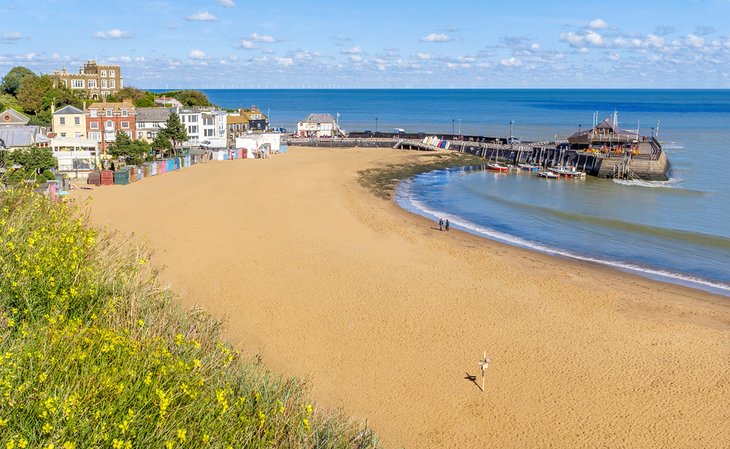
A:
{"points": [[382, 181], [94, 354]]}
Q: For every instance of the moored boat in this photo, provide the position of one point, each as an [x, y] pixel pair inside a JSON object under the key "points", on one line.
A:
{"points": [[496, 166], [529, 167], [568, 172], [548, 175]]}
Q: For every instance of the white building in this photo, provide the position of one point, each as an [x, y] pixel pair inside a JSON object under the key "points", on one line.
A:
{"points": [[318, 125], [267, 142], [149, 122], [76, 156], [203, 124]]}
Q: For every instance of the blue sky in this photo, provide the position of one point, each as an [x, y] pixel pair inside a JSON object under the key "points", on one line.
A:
{"points": [[377, 44]]}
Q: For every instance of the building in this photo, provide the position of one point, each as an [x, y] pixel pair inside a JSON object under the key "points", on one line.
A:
{"points": [[318, 125], [257, 121], [97, 81], [237, 126], [203, 123], [149, 122], [13, 137], [11, 117], [69, 122], [168, 102], [76, 156], [104, 120]]}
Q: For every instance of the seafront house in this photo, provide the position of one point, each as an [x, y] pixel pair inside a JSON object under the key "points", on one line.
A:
{"points": [[257, 121], [149, 122], [104, 120], [168, 102], [318, 125], [68, 122], [203, 123], [237, 126], [11, 117], [97, 81], [76, 157]]}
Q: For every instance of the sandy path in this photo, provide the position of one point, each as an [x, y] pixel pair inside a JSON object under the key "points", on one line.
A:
{"points": [[385, 315]]}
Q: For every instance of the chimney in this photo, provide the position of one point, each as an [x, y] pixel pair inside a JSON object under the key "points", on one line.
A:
{"points": [[84, 105], [53, 106]]}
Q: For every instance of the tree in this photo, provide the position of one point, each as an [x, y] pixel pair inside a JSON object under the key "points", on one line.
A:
{"points": [[9, 101], [38, 159], [134, 151], [189, 97], [13, 79], [140, 98], [161, 144], [174, 131], [32, 92]]}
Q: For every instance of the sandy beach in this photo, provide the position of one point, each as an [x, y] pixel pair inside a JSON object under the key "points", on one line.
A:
{"points": [[386, 316]]}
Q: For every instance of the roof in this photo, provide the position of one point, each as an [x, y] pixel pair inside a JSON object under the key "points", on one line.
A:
{"points": [[72, 142], [12, 117], [152, 114], [18, 136], [319, 118], [68, 110], [233, 119], [120, 105]]}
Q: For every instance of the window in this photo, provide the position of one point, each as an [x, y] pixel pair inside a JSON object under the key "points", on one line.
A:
{"points": [[208, 133], [150, 134], [93, 112], [95, 136], [112, 74], [193, 129], [92, 84], [103, 84], [125, 125], [193, 119], [77, 84], [93, 124], [112, 84], [125, 113], [108, 112], [63, 134], [140, 134], [62, 121], [103, 73], [109, 124], [77, 120]]}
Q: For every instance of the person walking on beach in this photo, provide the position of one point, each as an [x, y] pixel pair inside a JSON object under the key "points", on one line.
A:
{"points": [[447, 225], [441, 224]]}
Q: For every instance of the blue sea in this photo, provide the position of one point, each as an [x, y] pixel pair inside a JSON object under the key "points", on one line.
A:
{"points": [[676, 231]]}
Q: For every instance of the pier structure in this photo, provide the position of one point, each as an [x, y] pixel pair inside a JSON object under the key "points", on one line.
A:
{"points": [[605, 151]]}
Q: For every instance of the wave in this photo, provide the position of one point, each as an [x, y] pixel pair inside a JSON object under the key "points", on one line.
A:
{"points": [[672, 183], [672, 146], [473, 228]]}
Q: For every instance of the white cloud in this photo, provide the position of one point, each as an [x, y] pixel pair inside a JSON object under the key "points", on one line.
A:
{"points": [[695, 41], [582, 40], [114, 33], [196, 54], [286, 62], [356, 58], [255, 37], [535, 46], [227, 3], [423, 56], [12, 36], [352, 51], [436, 38], [203, 16], [510, 62], [248, 45], [597, 24]]}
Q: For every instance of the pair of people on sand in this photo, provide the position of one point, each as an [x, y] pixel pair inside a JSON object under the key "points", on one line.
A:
{"points": [[443, 223]]}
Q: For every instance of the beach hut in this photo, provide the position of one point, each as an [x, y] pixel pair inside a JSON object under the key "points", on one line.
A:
{"points": [[107, 177], [94, 178], [121, 177]]}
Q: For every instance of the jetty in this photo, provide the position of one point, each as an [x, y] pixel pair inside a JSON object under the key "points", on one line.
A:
{"points": [[604, 151]]}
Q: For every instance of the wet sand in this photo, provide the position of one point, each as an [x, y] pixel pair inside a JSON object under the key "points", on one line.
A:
{"points": [[386, 316]]}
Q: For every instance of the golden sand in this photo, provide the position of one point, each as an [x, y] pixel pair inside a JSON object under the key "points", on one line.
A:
{"points": [[386, 316]]}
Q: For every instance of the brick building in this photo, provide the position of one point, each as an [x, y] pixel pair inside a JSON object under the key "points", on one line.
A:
{"points": [[97, 81], [104, 120]]}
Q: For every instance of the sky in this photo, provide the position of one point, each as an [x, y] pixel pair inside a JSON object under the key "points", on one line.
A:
{"points": [[378, 43]]}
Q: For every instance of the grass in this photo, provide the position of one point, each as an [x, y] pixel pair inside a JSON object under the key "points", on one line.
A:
{"points": [[382, 181], [94, 353]]}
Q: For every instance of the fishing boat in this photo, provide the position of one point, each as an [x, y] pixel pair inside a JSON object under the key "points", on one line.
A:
{"points": [[568, 172], [496, 166], [548, 175], [529, 167]]}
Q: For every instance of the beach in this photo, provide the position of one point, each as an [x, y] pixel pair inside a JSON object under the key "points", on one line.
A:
{"points": [[386, 317]]}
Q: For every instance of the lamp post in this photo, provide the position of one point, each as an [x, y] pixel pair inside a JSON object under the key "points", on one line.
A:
{"points": [[453, 121], [511, 122], [376, 125]]}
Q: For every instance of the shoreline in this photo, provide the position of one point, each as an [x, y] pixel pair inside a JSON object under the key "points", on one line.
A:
{"points": [[385, 316]]}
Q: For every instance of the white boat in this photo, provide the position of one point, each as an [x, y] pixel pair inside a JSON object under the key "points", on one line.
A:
{"points": [[529, 167], [496, 166], [568, 172], [548, 175]]}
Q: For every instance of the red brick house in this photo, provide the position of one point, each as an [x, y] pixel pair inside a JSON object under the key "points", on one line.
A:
{"points": [[104, 120]]}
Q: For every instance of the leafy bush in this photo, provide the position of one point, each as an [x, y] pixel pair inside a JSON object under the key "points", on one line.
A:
{"points": [[94, 353]]}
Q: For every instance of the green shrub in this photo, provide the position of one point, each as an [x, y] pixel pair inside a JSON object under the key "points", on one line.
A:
{"points": [[94, 353]]}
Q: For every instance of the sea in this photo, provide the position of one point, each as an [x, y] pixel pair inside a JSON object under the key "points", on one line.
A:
{"points": [[675, 231]]}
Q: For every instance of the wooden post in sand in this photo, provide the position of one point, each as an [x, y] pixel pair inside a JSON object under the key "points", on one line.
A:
{"points": [[483, 364]]}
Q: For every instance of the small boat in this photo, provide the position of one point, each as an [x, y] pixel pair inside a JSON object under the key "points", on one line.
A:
{"points": [[548, 175], [568, 172], [496, 166], [529, 167]]}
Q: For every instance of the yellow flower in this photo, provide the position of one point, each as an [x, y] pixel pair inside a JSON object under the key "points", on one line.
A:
{"points": [[169, 444], [69, 445], [117, 444], [22, 443], [181, 435], [206, 438], [3, 422], [10, 444], [47, 428], [140, 322]]}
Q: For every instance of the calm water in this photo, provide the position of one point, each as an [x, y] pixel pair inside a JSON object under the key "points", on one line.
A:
{"points": [[677, 231]]}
